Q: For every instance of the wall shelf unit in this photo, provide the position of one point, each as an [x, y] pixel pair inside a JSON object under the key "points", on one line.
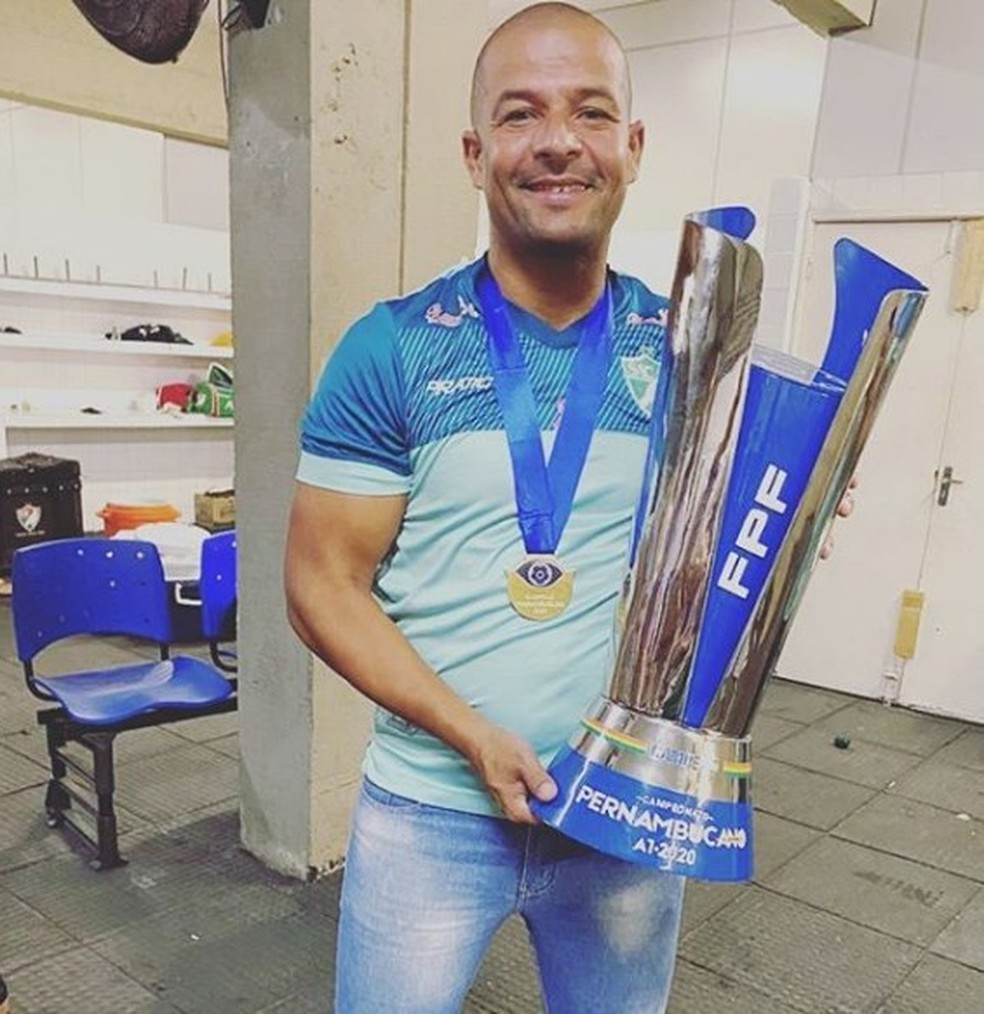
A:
{"points": [[47, 288], [61, 363], [34, 342]]}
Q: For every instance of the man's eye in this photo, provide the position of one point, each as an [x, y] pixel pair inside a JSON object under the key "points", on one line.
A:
{"points": [[517, 116], [594, 113]]}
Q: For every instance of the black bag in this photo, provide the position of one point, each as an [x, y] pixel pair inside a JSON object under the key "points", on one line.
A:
{"points": [[40, 500]]}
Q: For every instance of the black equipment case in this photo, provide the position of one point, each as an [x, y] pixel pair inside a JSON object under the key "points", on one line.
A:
{"points": [[40, 500]]}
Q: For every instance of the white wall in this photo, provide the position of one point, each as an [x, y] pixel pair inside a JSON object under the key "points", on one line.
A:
{"points": [[901, 125], [52, 160]]}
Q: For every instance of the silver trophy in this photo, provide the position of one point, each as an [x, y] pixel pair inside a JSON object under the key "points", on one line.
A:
{"points": [[755, 451]]}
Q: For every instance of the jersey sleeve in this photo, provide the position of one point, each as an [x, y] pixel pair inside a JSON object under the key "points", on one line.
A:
{"points": [[354, 433]]}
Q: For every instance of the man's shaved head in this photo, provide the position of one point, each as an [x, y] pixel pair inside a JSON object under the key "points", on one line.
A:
{"points": [[543, 15]]}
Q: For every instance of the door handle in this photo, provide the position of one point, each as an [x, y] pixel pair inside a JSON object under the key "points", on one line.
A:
{"points": [[946, 481]]}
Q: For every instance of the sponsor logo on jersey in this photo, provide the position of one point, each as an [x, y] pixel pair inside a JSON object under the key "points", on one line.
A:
{"points": [[459, 385], [436, 314], [640, 373]]}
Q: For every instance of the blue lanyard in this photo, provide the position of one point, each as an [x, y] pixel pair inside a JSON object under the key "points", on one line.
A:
{"points": [[545, 492]]}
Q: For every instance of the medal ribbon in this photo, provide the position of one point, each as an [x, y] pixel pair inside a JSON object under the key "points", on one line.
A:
{"points": [[545, 492]]}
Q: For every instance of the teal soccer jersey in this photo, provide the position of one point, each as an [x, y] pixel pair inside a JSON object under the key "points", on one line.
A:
{"points": [[406, 405]]}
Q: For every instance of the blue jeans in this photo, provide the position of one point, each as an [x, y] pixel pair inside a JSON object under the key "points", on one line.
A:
{"points": [[425, 890]]}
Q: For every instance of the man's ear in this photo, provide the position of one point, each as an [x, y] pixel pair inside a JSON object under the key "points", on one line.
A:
{"points": [[637, 141], [471, 151]]}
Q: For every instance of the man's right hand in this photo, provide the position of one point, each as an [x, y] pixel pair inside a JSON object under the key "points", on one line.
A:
{"points": [[512, 773]]}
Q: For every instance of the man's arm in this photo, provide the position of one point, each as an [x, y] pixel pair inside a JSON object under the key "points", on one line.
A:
{"points": [[335, 543]]}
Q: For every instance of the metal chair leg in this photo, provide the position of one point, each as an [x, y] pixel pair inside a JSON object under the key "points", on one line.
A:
{"points": [[57, 798], [108, 855]]}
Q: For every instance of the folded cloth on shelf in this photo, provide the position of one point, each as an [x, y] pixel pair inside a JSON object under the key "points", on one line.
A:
{"points": [[148, 333]]}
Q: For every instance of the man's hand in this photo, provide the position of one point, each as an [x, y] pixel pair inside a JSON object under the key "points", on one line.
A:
{"points": [[844, 509], [512, 773]]}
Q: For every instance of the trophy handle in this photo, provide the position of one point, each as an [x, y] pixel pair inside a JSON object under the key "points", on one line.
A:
{"points": [[861, 281]]}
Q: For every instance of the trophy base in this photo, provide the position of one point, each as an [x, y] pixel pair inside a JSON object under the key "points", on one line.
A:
{"points": [[650, 791]]}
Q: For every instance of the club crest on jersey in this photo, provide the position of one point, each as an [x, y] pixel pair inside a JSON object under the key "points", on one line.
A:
{"points": [[640, 374]]}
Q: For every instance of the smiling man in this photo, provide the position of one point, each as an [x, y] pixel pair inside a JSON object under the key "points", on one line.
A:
{"points": [[469, 468]]}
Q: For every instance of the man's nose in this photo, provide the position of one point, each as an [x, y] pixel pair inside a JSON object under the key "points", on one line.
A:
{"points": [[557, 139]]}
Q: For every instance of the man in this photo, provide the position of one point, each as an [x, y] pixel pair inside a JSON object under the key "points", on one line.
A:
{"points": [[466, 585]]}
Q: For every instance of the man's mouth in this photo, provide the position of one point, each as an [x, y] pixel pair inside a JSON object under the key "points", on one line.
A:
{"points": [[550, 186]]}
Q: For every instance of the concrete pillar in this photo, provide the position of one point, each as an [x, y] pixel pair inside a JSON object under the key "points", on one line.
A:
{"points": [[345, 186]]}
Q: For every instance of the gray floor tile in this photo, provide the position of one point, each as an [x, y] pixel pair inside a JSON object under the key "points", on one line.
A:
{"points": [[916, 831], [80, 982], [938, 985], [804, 796], [768, 729], [135, 744], [228, 745], [252, 968], [300, 1003], [906, 899], [698, 991], [208, 727], [944, 785], [17, 706], [809, 960], [892, 726], [862, 762], [702, 899], [798, 703], [967, 750], [181, 780], [85, 904], [777, 841], [175, 951], [963, 939], [180, 869], [18, 772], [26, 934], [24, 836]]}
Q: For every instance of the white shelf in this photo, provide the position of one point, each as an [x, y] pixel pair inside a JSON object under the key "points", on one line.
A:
{"points": [[115, 293], [31, 341], [107, 421]]}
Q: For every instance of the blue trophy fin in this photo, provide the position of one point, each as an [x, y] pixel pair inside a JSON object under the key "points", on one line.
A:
{"points": [[733, 219], [862, 279]]}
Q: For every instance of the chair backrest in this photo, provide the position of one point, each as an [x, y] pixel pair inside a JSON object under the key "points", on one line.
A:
{"points": [[217, 586], [87, 586]]}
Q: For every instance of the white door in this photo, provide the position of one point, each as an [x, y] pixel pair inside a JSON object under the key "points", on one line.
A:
{"points": [[899, 537]]}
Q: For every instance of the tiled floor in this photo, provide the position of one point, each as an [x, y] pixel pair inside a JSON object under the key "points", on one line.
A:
{"points": [[868, 894]]}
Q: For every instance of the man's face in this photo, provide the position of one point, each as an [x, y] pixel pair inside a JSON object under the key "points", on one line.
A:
{"points": [[552, 147]]}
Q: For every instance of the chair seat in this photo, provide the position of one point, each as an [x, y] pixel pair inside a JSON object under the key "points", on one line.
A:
{"points": [[107, 697]]}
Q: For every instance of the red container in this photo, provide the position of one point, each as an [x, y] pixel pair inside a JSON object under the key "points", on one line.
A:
{"points": [[117, 516]]}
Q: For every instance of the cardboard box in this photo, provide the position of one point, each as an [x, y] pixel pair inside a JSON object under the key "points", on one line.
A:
{"points": [[216, 509]]}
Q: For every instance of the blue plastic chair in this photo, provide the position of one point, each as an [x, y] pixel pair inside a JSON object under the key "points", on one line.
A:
{"points": [[217, 588], [102, 587]]}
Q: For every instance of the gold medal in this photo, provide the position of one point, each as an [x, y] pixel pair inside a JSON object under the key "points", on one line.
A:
{"points": [[539, 588]]}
